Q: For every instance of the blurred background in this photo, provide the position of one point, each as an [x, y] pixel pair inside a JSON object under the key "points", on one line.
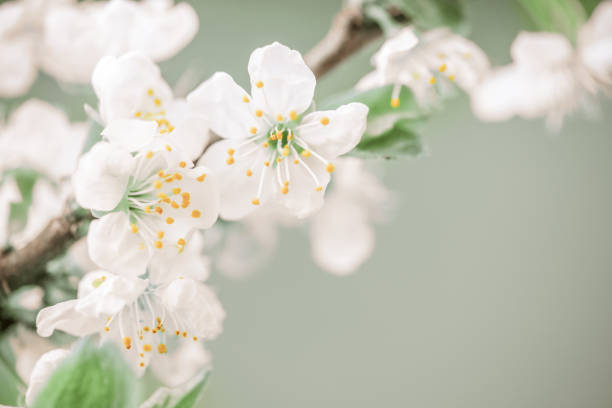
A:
{"points": [[489, 287]]}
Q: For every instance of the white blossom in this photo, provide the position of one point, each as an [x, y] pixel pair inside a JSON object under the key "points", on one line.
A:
{"points": [[547, 77], [43, 369], [270, 153], [434, 59], [148, 202]]}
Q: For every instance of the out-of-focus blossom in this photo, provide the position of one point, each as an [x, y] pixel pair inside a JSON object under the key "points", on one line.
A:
{"points": [[40, 136], [269, 152], [426, 64], [66, 38], [44, 368], [143, 315], [130, 88], [9, 194], [30, 298], [181, 364], [148, 202], [547, 77], [27, 347], [342, 232]]}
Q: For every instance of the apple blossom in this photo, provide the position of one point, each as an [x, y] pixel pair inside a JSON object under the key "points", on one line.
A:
{"points": [[270, 152]]}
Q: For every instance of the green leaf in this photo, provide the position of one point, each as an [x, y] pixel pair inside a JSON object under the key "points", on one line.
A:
{"points": [[391, 132], [562, 16], [401, 140], [428, 14], [184, 396], [25, 179], [90, 377]]}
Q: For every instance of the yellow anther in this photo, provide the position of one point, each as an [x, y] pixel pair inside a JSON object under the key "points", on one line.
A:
{"points": [[253, 130], [184, 334], [279, 135], [146, 328], [162, 196], [141, 354], [157, 102], [196, 214], [150, 91], [266, 144], [158, 244], [185, 204], [255, 201], [293, 115], [174, 204], [286, 183], [149, 154], [161, 174], [185, 195], [169, 179], [161, 348], [137, 114], [273, 136], [279, 159], [168, 148], [181, 242], [432, 80], [279, 117], [127, 342], [134, 228], [147, 347], [230, 151], [195, 338], [147, 209], [159, 210], [259, 113], [230, 160], [395, 102], [285, 151], [201, 177], [329, 168], [285, 190], [182, 164], [142, 364], [177, 332], [106, 328], [160, 234], [320, 188], [249, 173], [267, 163], [177, 176], [169, 220], [245, 99], [325, 120], [163, 130], [259, 84], [157, 184], [451, 77], [176, 190], [442, 68], [305, 153], [296, 161]]}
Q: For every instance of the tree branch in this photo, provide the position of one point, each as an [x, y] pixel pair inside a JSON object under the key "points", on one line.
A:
{"points": [[347, 34]]}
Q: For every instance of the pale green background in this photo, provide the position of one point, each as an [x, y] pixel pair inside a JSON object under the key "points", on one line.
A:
{"points": [[489, 288]]}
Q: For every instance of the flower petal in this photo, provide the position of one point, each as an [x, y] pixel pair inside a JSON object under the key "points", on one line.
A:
{"points": [[114, 247], [541, 50], [342, 132], [130, 134], [63, 316], [102, 176], [18, 68], [225, 105], [42, 371], [166, 265], [129, 85], [198, 306], [281, 80], [110, 294]]}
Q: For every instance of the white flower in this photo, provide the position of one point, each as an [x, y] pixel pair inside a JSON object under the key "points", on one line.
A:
{"points": [[39, 136], [436, 57], [43, 369], [547, 77], [342, 233], [270, 152], [76, 36], [144, 316], [131, 88], [147, 202]]}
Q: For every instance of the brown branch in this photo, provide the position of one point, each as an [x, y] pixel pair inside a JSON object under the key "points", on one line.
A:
{"points": [[348, 33]]}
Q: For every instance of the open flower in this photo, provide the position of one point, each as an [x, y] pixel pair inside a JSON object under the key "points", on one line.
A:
{"points": [[270, 151], [547, 77], [147, 202], [144, 316], [131, 88], [419, 63]]}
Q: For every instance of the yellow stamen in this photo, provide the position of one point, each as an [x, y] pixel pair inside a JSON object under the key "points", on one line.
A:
{"points": [[255, 201], [161, 348], [157, 184], [329, 168], [324, 120], [253, 130], [134, 228], [127, 342], [320, 188], [442, 68], [432, 80], [230, 160], [395, 102], [150, 91], [230, 151], [181, 242], [196, 214], [149, 154], [201, 177], [147, 347], [170, 220], [168, 148], [137, 114], [293, 115], [259, 84], [279, 117], [157, 102], [259, 113], [245, 99], [158, 244], [249, 173], [176, 190], [182, 164]]}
